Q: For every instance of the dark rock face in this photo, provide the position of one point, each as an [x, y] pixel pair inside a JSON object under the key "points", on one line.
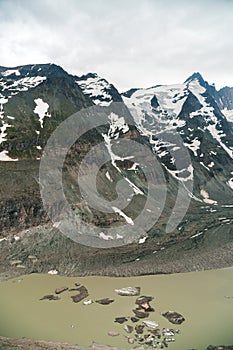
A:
{"points": [[226, 97], [154, 102], [56, 88], [174, 317]]}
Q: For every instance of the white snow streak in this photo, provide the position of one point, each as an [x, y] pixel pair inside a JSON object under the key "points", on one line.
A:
{"points": [[42, 110], [121, 213]]}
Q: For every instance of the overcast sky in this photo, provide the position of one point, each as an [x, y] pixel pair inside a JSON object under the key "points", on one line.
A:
{"points": [[132, 43]]}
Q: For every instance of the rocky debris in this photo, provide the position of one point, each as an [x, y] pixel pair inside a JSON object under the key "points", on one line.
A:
{"points": [[27, 344], [149, 339], [113, 334], [128, 328], [165, 344], [32, 257], [50, 297], [139, 328], [88, 302], [121, 320], [105, 301], [144, 303], [167, 332], [83, 293], [151, 324], [173, 317], [139, 338], [141, 314], [134, 319], [61, 290], [128, 291], [15, 262], [156, 332], [168, 339]]}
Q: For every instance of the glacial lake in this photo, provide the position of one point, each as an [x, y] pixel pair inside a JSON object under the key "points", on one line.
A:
{"points": [[204, 298]]}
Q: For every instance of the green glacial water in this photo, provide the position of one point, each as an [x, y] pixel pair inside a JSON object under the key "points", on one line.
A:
{"points": [[199, 296]]}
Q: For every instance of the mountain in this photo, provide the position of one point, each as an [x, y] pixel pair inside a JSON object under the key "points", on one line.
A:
{"points": [[188, 130], [98, 89]]}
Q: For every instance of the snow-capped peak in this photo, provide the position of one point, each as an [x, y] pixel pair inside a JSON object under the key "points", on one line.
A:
{"points": [[98, 89], [196, 76]]}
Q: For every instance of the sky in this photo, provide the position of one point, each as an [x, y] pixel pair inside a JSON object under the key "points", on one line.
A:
{"points": [[131, 43]]}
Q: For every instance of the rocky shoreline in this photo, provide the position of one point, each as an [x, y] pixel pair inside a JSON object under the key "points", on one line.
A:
{"points": [[28, 344]]}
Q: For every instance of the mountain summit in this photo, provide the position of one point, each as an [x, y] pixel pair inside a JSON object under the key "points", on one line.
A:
{"points": [[196, 76]]}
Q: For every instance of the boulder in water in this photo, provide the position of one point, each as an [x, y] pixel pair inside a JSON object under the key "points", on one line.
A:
{"points": [[144, 303], [83, 293], [105, 301], [50, 297], [61, 290], [141, 314], [173, 317], [120, 320], [128, 328]]}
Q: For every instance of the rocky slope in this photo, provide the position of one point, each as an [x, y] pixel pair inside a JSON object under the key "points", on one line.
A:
{"points": [[188, 128]]}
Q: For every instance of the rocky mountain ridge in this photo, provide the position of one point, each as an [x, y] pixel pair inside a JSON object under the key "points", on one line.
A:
{"points": [[188, 128]]}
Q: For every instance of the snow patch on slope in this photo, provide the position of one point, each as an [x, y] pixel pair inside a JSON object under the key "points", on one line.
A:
{"points": [[10, 72], [42, 110], [208, 112], [206, 198], [5, 158], [230, 183], [97, 88], [228, 113], [194, 146], [121, 213], [15, 86]]}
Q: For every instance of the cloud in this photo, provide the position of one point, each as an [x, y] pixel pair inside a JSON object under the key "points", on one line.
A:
{"points": [[131, 43]]}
